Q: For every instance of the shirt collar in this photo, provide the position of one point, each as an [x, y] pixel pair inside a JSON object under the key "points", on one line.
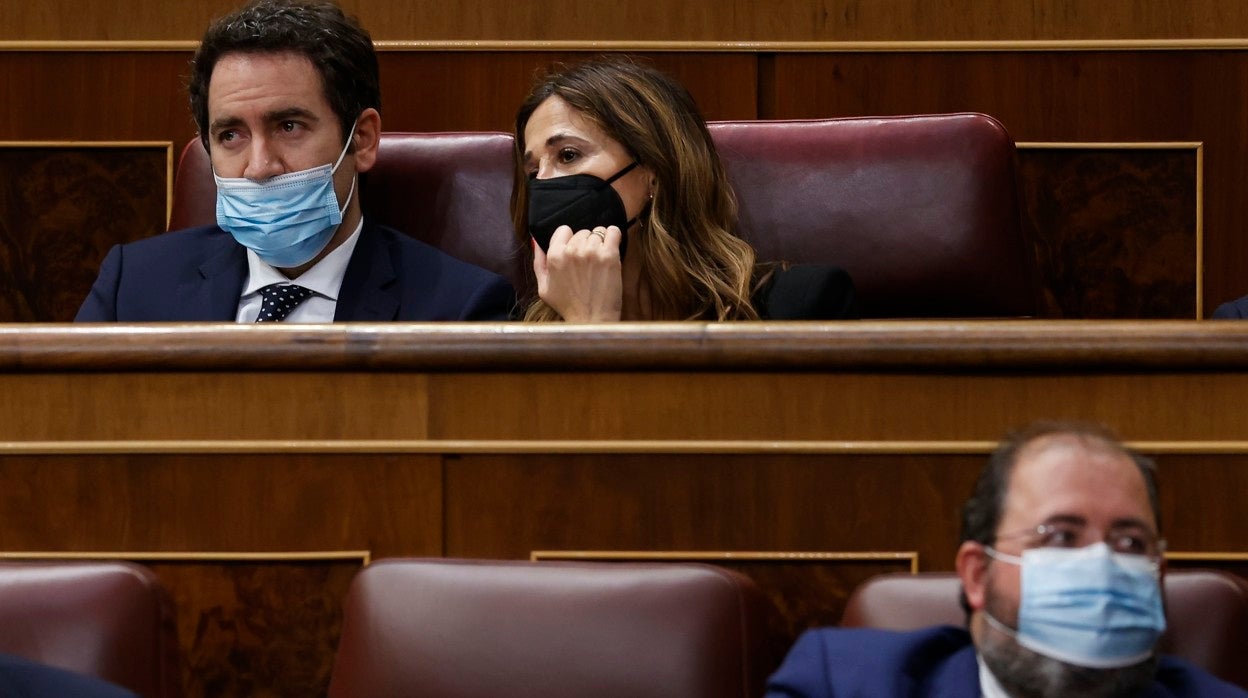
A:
{"points": [[989, 687], [324, 278]]}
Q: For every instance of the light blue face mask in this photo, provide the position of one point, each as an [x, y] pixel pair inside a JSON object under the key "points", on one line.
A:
{"points": [[1088, 606], [288, 219]]}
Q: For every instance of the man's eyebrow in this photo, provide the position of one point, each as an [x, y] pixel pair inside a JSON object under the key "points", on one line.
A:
{"points": [[223, 123], [1069, 519], [1131, 522], [289, 113]]}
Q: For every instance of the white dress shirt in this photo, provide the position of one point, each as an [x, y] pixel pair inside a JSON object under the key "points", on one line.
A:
{"points": [[989, 687], [324, 279]]}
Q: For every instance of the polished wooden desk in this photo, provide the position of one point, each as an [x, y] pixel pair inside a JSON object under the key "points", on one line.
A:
{"points": [[255, 468]]}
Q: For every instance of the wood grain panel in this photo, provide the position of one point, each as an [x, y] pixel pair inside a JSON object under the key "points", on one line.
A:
{"points": [[657, 503], [257, 628], [387, 504], [244, 406], [1115, 229], [455, 91], [831, 407], [62, 206], [736, 20]]}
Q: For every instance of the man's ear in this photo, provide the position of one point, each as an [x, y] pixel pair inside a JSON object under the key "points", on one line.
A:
{"points": [[971, 564], [366, 139]]}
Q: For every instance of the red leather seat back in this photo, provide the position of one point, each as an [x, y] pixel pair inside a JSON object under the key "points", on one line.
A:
{"points": [[480, 629], [1206, 610], [923, 211], [450, 190], [111, 620]]}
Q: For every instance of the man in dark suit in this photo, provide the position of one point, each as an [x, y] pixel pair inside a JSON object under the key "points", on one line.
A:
{"points": [[1061, 566], [20, 678], [286, 96]]}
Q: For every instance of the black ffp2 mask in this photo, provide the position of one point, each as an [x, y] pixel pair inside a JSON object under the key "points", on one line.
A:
{"points": [[579, 201]]}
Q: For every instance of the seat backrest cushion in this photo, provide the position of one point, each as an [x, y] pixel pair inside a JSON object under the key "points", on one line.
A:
{"points": [[111, 620], [922, 211], [474, 629]]}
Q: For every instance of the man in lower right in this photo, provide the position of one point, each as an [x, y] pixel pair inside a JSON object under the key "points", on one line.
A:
{"points": [[1061, 566]]}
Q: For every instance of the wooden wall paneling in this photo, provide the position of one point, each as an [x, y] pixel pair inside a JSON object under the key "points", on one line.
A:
{"points": [[1115, 228], [480, 91], [861, 407], [1136, 96], [691, 20], [62, 206], [388, 504], [692, 502], [232, 406], [95, 96]]}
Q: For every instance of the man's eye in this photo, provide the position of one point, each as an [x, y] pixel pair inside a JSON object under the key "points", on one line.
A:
{"points": [[227, 136], [1060, 538], [290, 126], [1131, 544]]}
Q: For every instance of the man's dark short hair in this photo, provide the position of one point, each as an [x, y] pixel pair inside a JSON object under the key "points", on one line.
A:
{"points": [[339, 48], [981, 515]]}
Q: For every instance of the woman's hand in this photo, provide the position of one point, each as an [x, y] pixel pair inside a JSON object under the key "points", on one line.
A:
{"points": [[579, 276]]}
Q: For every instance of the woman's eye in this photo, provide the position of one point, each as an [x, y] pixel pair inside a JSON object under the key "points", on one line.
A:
{"points": [[567, 155]]}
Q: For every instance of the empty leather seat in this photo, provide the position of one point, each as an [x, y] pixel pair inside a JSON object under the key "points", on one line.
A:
{"points": [[478, 629], [112, 620]]}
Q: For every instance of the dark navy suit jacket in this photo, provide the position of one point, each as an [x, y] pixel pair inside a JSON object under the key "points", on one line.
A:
{"points": [[930, 663], [20, 678], [198, 274], [1232, 310]]}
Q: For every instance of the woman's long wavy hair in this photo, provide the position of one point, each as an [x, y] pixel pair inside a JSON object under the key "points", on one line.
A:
{"points": [[694, 265]]}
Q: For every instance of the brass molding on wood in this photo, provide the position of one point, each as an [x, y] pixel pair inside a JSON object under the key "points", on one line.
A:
{"points": [[1211, 557], [364, 557], [910, 557], [647, 46], [604, 447]]}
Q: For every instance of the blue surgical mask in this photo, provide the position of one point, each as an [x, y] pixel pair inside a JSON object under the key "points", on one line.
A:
{"points": [[288, 219], [1089, 606]]}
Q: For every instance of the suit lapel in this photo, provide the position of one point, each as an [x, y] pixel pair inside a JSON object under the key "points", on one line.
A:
{"points": [[369, 292], [214, 296]]}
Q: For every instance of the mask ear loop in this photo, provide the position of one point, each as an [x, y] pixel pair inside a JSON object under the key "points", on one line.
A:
{"points": [[356, 177]]}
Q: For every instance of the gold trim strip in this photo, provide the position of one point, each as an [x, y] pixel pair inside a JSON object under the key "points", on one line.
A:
{"points": [[910, 556], [87, 144], [1113, 145], [518, 46], [1207, 557], [364, 556], [504, 446]]}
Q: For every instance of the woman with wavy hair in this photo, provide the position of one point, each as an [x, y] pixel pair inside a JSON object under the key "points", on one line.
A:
{"points": [[630, 213]]}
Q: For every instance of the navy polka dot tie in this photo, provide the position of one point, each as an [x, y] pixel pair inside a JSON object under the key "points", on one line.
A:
{"points": [[280, 300]]}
